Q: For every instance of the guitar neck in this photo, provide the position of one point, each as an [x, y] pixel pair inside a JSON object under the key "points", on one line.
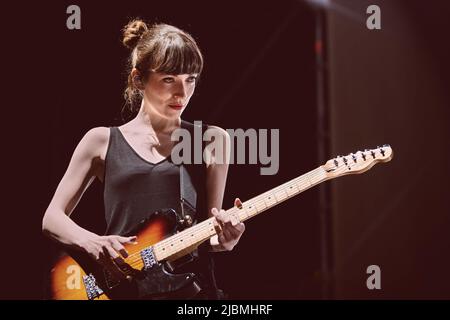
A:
{"points": [[187, 240]]}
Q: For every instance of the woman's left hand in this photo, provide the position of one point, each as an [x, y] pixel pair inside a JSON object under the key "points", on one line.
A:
{"points": [[230, 229]]}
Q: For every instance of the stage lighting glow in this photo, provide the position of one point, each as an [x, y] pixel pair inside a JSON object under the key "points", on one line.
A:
{"points": [[319, 3]]}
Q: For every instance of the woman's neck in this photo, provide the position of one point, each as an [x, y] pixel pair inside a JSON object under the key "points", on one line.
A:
{"points": [[152, 120]]}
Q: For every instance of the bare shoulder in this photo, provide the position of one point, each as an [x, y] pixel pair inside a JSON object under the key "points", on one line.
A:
{"points": [[95, 142]]}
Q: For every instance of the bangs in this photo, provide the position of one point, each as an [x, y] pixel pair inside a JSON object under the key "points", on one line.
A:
{"points": [[177, 55]]}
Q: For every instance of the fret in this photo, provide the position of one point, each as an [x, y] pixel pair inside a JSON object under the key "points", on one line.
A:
{"points": [[298, 185], [260, 205], [307, 180], [292, 190], [188, 239], [251, 210], [270, 200], [281, 195], [238, 214], [321, 175], [242, 214]]}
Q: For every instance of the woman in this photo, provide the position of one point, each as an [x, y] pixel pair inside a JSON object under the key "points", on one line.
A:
{"points": [[133, 160]]}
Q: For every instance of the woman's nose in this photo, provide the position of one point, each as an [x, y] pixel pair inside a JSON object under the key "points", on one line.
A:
{"points": [[180, 90]]}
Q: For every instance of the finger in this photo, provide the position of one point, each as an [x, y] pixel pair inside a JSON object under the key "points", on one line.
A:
{"points": [[227, 234], [240, 227], [238, 203], [214, 211], [224, 218], [217, 227], [237, 235], [110, 252], [217, 224], [225, 243], [221, 216], [114, 257], [221, 238], [119, 248], [130, 240], [234, 233], [214, 240], [234, 220]]}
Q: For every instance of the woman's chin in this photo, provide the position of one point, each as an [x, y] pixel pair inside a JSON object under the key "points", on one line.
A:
{"points": [[174, 113]]}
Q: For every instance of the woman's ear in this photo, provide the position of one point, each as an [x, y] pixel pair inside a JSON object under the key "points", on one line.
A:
{"points": [[137, 79]]}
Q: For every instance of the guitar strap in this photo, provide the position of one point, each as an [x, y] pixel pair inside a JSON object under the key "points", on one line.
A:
{"points": [[188, 197], [192, 194], [192, 185]]}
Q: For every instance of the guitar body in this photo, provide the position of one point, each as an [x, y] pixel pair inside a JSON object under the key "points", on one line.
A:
{"points": [[78, 277]]}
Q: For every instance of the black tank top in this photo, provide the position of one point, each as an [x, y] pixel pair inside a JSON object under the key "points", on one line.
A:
{"points": [[134, 188]]}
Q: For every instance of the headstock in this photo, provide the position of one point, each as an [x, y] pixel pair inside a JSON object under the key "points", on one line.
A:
{"points": [[358, 162]]}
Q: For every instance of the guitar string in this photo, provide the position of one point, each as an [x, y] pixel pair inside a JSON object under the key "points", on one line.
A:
{"points": [[299, 182], [318, 172], [258, 200], [301, 186], [201, 228]]}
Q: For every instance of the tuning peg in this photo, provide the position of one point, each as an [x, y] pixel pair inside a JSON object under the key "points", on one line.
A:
{"points": [[345, 161], [373, 154], [354, 158], [363, 155], [386, 146], [336, 163]]}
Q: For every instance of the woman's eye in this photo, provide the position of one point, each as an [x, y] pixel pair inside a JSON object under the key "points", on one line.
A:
{"points": [[191, 79], [168, 80]]}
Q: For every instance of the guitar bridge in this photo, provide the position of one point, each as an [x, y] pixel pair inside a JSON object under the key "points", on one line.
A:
{"points": [[148, 257], [92, 289]]}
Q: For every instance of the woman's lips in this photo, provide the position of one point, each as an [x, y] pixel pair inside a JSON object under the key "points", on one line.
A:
{"points": [[176, 106]]}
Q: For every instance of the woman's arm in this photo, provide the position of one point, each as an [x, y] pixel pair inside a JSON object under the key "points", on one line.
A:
{"points": [[218, 155], [77, 178], [83, 168]]}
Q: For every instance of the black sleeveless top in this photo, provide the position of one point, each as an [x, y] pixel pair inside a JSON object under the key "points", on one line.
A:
{"points": [[134, 188]]}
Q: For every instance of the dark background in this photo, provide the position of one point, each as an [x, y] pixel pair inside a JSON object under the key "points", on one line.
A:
{"points": [[386, 86]]}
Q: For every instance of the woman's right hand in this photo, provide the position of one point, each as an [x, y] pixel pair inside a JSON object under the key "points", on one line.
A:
{"points": [[108, 251]]}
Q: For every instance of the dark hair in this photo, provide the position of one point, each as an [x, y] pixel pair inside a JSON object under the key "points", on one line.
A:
{"points": [[157, 48]]}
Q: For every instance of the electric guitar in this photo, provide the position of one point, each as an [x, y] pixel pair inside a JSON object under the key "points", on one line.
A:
{"points": [[160, 241]]}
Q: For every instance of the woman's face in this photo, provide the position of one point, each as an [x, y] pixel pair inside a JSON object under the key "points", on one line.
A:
{"points": [[168, 94]]}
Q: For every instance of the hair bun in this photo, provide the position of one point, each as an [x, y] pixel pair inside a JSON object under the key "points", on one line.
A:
{"points": [[132, 32]]}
